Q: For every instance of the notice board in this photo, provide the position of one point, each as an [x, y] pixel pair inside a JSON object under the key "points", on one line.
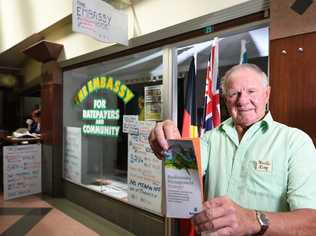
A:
{"points": [[22, 172]]}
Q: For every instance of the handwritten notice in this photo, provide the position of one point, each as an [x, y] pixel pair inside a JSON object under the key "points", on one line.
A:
{"points": [[144, 171], [100, 20], [130, 124], [72, 154], [22, 170]]}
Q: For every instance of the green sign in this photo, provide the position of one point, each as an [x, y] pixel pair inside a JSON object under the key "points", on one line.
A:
{"points": [[99, 114], [103, 83]]}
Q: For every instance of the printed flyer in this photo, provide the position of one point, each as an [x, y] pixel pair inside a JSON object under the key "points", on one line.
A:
{"points": [[153, 102], [183, 178]]}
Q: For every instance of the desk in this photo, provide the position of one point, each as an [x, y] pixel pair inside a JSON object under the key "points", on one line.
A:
{"points": [[15, 140]]}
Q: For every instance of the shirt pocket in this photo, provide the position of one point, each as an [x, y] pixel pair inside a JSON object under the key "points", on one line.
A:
{"points": [[266, 186]]}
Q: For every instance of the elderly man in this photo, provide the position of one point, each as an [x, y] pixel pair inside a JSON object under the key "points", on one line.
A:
{"points": [[260, 174]]}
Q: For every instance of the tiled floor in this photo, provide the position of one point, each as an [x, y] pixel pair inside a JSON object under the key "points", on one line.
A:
{"points": [[40, 215]]}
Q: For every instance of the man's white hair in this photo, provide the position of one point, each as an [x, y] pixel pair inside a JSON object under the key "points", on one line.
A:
{"points": [[253, 67]]}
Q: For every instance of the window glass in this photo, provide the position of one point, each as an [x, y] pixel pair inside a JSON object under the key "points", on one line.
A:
{"points": [[96, 97]]}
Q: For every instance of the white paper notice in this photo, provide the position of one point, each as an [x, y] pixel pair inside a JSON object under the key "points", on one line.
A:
{"points": [[22, 172], [144, 171], [72, 154], [130, 124]]}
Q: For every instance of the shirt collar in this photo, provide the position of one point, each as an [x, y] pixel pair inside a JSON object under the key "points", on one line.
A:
{"points": [[265, 123], [229, 128]]}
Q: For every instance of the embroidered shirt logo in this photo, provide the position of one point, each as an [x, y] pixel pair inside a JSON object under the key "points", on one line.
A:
{"points": [[265, 166]]}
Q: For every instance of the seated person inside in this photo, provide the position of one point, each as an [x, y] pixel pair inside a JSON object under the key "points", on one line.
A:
{"points": [[35, 125]]}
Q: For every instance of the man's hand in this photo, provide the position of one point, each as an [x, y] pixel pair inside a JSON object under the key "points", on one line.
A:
{"points": [[159, 135], [221, 216]]}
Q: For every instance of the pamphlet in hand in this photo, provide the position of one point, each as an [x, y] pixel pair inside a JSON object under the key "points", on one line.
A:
{"points": [[183, 178]]}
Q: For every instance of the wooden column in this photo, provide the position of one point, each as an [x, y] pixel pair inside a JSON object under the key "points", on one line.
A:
{"points": [[51, 114]]}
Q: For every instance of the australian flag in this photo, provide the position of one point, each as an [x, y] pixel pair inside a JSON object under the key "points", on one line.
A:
{"points": [[212, 116]]}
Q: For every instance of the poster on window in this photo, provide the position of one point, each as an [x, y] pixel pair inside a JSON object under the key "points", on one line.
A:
{"points": [[72, 154], [153, 102], [22, 170], [144, 170], [130, 124]]}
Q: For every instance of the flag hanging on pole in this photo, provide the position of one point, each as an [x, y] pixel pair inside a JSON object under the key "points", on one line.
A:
{"points": [[243, 52], [212, 117], [189, 127], [189, 130]]}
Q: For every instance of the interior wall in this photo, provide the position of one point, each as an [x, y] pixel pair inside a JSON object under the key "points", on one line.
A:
{"points": [[292, 77], [145, 17], [21, 19], [150, 16], [29, 104], [11, 116], [31, 71]]}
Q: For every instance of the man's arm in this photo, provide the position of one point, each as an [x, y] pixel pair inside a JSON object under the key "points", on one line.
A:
{"points": [[298, 222], [159, 135], [222, 216]]}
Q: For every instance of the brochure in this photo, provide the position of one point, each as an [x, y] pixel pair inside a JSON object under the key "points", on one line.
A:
{"points": [[183, 178]]}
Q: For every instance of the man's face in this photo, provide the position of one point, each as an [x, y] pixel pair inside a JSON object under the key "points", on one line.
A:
{"points": [[246, 97]]}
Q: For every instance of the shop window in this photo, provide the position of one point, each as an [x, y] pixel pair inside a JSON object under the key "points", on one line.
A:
{"points": [[96, 99]]}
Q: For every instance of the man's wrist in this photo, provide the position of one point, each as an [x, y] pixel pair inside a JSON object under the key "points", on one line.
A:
{"points": [[263, 222], [255, 226]]}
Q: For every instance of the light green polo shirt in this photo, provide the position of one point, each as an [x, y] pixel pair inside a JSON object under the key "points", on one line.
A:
{"points": [[273, 168]]}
